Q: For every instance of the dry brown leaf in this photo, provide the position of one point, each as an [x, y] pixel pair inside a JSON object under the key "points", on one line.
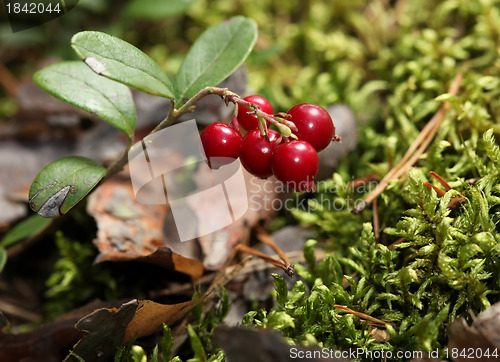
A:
{"points": [[125, 225], [132, 231], [483, 335], [150, 316], [107, 329], [162, 257]]}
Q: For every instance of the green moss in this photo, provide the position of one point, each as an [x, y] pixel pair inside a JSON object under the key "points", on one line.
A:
{"points": [[447, 265], [393, 66], [75, 280]]}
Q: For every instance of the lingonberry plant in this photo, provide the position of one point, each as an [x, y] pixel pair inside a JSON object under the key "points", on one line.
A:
{"points": [[100, 84]]}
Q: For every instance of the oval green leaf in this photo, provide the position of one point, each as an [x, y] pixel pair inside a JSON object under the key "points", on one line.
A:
{"points": [[74, 83], [28, 227], [121, 61], [217, 53], [62, 184]]}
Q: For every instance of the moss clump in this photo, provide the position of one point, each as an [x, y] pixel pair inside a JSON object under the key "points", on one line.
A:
{"points": [[444, 264], [448, 265]]}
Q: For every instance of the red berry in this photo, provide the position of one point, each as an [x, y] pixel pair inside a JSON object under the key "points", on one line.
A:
{"points": [[222, 144], [314, 124], [295, 163], [250, 122], [257, 152]]}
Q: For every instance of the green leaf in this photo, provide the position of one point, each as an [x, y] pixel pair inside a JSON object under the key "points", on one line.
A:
{"points": [[280, 320], [219, 357], [62, 184], [217, 53], [154, 357], [73, 82], [3, 258], [281, 289], [23, 229], [121, 61], [196, 344], [157, 9], [309, 248], [166, 342], [492, 149]]}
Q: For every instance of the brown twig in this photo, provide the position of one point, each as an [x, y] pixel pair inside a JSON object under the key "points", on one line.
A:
{"points": [[264, 237], [288, 269], [439, 179], [224, 274], [455, 201], [359, 182], [416, 149], [371, 320], [435, 188], [397, 242], [247, 266]]}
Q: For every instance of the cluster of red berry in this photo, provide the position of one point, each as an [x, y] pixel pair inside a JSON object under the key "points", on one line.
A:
{"points": [[295, 162]]}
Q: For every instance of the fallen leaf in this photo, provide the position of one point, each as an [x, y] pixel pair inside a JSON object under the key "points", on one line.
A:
{"points": [[124, 224], [483, 334], [150, 316], [132, 231], [108, 329], [162, 257], [105, 331]]}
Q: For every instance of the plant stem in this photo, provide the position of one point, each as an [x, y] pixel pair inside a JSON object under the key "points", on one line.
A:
{"points": [[118, 165], [189, 106]]}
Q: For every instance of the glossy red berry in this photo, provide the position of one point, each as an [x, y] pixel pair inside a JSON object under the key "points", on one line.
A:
{"points": [[257, 152], [222, 144], [314, 124], [296, 164], [250, 122]]}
